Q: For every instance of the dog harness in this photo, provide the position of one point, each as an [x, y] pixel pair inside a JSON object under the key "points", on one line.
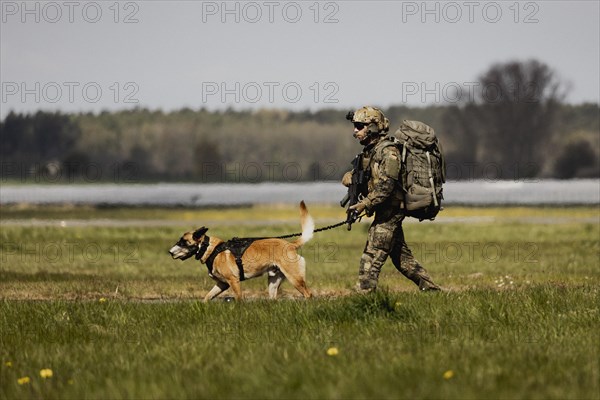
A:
{"points": [[237, 247]]}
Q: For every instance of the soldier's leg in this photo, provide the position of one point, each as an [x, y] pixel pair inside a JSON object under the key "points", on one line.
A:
{"points": [[408, 266], [377, 249]]}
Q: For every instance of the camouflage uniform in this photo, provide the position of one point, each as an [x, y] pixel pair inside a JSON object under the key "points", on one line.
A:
{"points": [[385, 234]]}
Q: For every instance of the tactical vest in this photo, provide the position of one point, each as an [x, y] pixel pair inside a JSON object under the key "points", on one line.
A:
{"points": [[372, 159]]}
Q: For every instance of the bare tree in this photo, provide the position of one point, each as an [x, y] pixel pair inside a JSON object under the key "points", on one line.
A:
{"points": [[516, 108]]}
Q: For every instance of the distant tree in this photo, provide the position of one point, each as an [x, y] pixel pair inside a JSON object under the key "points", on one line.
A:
{"points": [[580, 117], [13, 131], [201, 145], [30, 142], [505, 122], [208, 162], [516, 108], [75, 164], [576, 157], [139, 165], [459, 124]]}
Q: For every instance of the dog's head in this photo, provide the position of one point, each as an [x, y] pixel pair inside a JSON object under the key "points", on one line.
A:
{"points": [[188, 245]]}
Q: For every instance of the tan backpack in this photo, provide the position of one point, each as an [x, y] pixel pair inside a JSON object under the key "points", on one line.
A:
{"points": [[423, 170]]}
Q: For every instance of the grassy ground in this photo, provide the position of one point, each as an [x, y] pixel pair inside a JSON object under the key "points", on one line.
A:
{"points": [[112, 316]]}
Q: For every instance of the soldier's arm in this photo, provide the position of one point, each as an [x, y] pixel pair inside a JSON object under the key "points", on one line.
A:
{"points": [[389, 170]]}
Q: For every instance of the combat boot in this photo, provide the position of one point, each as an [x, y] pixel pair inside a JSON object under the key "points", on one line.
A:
{"points": [[428, 286]]}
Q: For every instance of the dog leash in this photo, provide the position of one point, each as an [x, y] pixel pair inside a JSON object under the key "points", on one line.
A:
{"points": [[325, 228], [291, 235]]}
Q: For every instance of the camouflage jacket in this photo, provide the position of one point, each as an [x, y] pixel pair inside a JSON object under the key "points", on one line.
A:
{"points": [[382, 159]]}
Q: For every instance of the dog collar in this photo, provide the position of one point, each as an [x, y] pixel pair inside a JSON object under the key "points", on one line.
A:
{"points": [[203, 247]]}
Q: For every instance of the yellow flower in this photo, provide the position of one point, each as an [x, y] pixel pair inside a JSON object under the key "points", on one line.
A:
{"points": [[46, 373], [8, 364], [102, 300], [332, 351], [23, 381], [448, 374]]}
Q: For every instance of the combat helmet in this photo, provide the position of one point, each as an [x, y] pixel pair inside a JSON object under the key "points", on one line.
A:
{"points": [[372, 117]]}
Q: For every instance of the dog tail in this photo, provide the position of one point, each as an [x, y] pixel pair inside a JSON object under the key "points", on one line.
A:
{"points": [[308, 226]]}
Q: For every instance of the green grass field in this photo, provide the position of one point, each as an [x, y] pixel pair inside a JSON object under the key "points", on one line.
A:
{"points": [[93, 296]]}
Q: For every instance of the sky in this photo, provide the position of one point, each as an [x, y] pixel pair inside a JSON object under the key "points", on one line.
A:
{"points": [[82, 56]]}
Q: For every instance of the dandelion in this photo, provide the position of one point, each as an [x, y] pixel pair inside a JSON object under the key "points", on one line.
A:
{"points": [[8, 364], [332, 351], [448, 374], [46, 373], [24, 380], [102, 300]]}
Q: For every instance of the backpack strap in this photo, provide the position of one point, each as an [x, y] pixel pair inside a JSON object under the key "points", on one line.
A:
{"points": [[384, 143], [435, 201]]}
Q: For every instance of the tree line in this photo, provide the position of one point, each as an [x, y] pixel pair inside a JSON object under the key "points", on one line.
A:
{"points": [[525, 132]]}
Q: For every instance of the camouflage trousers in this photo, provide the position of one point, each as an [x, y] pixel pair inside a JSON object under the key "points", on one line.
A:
{"points": [[386, 238]]}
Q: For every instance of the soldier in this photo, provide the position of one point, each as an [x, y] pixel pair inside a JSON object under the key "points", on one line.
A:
{"points": [[381, 162]]}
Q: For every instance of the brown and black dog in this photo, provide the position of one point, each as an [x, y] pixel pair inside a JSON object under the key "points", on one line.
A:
{"points": [[233, 261]]}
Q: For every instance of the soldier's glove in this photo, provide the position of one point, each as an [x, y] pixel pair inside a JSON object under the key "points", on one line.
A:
{"points": [[358, 207], [347, 179]]}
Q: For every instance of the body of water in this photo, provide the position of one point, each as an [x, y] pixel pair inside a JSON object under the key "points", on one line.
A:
{"points": [[548, 192]]}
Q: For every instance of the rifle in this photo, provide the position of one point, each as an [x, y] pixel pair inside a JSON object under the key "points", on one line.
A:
{"points": [[356, 190]]}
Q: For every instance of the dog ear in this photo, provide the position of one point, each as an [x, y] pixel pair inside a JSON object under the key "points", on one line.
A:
{"points": [[198, 234]]}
